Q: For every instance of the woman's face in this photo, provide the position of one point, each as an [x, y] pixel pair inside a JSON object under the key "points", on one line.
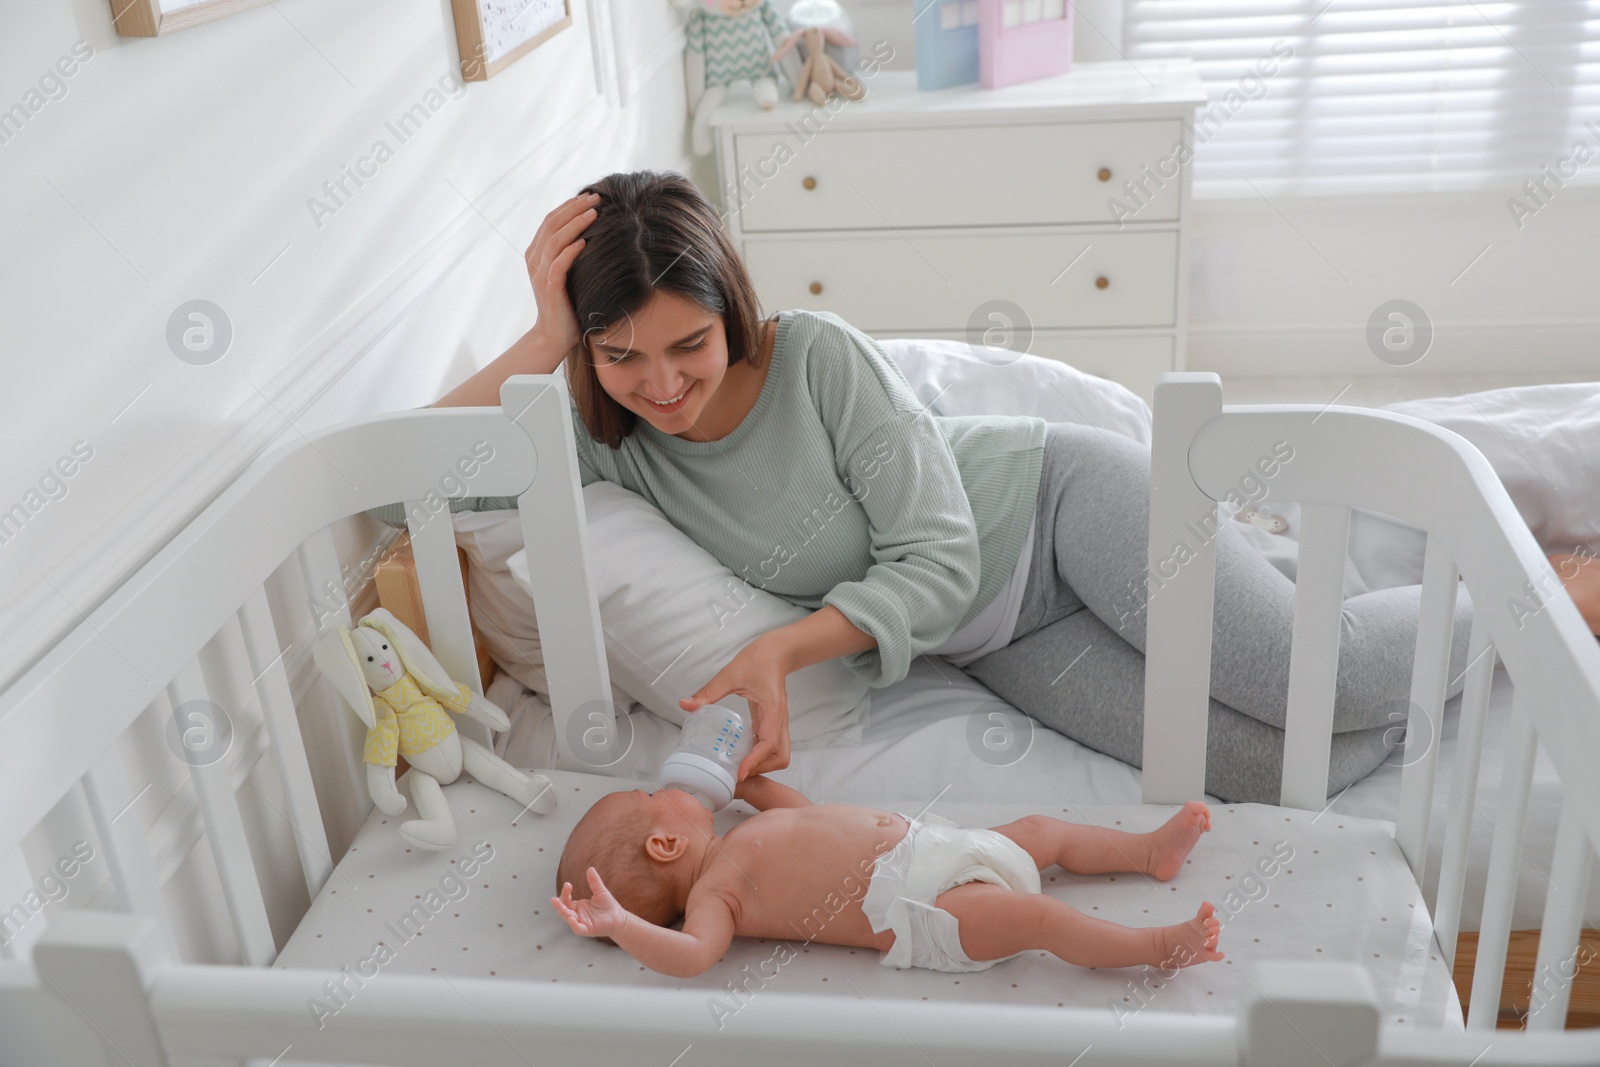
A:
{"points": [[671, 349]]}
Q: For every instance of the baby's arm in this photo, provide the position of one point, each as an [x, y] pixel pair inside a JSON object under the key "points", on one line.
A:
{"points": [[707, 933], [762, 793], [707, 929]]}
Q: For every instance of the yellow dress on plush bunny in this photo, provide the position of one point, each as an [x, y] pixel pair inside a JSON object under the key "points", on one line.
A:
{"points": [[400, 692]]}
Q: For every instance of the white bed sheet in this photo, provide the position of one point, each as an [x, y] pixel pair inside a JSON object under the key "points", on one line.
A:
{"points": [[916, 745], [1343, 892]]}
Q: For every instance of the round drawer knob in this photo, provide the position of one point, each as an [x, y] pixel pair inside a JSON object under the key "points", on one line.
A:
{"points": [[1104, 175], [816, 288], [1101, 282], [809, 182]]}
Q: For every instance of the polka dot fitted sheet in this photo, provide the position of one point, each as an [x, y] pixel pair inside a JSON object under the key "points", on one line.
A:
{"points": [[1287, 884]]}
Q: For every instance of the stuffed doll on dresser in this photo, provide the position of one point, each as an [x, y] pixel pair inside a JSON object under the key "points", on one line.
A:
{"points": [[729, 41]]}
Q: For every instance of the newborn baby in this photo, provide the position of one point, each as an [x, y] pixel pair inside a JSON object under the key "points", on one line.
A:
{"points": [[923, 891]]}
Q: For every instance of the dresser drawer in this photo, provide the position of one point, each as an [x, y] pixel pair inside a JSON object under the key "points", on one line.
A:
{"points": [[922, 281], [952, 176]]}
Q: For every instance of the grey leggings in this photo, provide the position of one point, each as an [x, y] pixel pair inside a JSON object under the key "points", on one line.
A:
{"points": [[1076, 661]]}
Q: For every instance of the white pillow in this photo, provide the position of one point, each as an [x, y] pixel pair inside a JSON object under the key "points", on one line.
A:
{"points": [[667, 638], [955, 378], [502, 610]]}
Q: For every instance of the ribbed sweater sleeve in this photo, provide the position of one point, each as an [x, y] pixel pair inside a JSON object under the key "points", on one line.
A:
{"points": [[924, 542]]}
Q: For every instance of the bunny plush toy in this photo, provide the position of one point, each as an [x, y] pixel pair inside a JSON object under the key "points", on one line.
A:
{"points": [[401, 694]]}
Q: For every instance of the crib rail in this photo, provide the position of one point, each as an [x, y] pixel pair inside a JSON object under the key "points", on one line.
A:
{"points": [[146, 1011], [1435, 480], [196, 617]]}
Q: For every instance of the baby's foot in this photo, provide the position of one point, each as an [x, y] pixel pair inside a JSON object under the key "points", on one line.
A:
{"points": [[1192, 942], [1170, 845]]}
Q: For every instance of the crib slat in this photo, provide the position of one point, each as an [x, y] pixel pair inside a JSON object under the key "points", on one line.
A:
{"points": [[219, 806], [1463, 789], [283, 730], [1500, 893], [16, 881], [444, 601], [1314, 655], [1430, 670], [1179, 598], [127, 852], [319, 568], [1562, 925]]}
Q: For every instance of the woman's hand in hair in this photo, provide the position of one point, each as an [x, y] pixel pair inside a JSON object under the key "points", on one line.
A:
{"points": [[554, 248], [758, 674]]}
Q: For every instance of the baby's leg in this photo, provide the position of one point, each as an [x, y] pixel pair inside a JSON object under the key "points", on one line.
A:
{"points": [[996, 922], [1085, 849]]}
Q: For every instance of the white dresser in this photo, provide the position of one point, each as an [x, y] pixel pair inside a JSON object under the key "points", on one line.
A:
{"points": [[998, 216]]}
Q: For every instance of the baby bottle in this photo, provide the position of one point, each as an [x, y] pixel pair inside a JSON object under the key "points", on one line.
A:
{"points": [[706, 762]]}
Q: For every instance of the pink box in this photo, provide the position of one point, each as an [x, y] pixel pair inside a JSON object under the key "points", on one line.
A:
{"points": [[1023, 40]]}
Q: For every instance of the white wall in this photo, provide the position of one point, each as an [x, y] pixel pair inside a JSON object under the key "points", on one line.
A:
{"points": [[1287, 287], [180, 167]]}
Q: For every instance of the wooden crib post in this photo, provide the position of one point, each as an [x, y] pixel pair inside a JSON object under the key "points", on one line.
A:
{"points": [[103, 965], [1179, 594], [554, 529]]}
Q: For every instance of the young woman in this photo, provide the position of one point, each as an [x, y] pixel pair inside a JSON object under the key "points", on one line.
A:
{"points": [[792, 448]]}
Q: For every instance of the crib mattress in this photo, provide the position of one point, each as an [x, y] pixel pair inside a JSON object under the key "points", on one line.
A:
{"points": [[916, 741], [1340, 890]]}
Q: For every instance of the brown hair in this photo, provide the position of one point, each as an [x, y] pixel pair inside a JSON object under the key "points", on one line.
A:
{"points": [[612, 842], [652, 231]]}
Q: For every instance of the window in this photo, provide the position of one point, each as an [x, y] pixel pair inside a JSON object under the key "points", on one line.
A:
{"points": [[1319, 97]]}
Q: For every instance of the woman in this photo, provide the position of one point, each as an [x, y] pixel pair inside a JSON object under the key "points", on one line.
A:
{"points": [[794, 451]]}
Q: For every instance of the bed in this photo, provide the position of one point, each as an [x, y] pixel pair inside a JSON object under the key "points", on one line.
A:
{"points": [[1356, 933]]}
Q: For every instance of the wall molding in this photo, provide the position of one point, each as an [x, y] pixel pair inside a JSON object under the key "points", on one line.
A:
{"points": [[628, 83]]}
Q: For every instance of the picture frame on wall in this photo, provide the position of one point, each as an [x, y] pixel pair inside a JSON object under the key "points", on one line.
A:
{"points": [[493, 34], [156, 18]]}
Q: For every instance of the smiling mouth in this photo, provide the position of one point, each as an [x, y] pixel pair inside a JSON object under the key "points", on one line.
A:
{"points": [[671, 402]]}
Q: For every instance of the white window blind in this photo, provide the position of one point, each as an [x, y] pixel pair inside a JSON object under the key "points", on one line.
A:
{"points": [[1314, 97]]}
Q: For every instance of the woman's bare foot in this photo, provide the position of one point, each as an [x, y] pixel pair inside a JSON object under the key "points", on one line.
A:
{"points": [[1581, 575], [1171, 844], [1191, 942]]}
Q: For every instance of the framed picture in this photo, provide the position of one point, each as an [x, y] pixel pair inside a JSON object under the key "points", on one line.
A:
{"points": [[153, 18], [493, 34]]}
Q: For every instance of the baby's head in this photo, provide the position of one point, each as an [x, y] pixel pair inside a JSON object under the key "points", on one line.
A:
{"points": [[639, 842]]}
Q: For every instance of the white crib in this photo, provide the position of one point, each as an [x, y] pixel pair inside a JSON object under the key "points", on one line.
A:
{"points": [[105, 987]]}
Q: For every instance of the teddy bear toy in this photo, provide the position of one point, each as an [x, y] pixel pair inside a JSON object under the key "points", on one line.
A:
{"points": [[401, 693], [729, 41]]}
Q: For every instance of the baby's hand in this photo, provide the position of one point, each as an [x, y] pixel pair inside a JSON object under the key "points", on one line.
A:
{"points": [[598, 916]]}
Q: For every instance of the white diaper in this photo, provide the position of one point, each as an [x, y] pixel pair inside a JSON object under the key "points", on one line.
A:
{"points": [[935, 855]]}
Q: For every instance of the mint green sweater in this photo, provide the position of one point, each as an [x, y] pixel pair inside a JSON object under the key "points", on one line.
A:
{"points": [[839, 488]]}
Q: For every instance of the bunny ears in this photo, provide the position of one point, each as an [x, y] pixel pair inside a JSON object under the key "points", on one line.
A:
{"points": [[336, 656], [830, 35]]}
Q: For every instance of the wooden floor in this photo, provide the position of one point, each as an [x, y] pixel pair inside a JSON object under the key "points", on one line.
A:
{"points": [[1373, 390], [1583, 1010]]}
